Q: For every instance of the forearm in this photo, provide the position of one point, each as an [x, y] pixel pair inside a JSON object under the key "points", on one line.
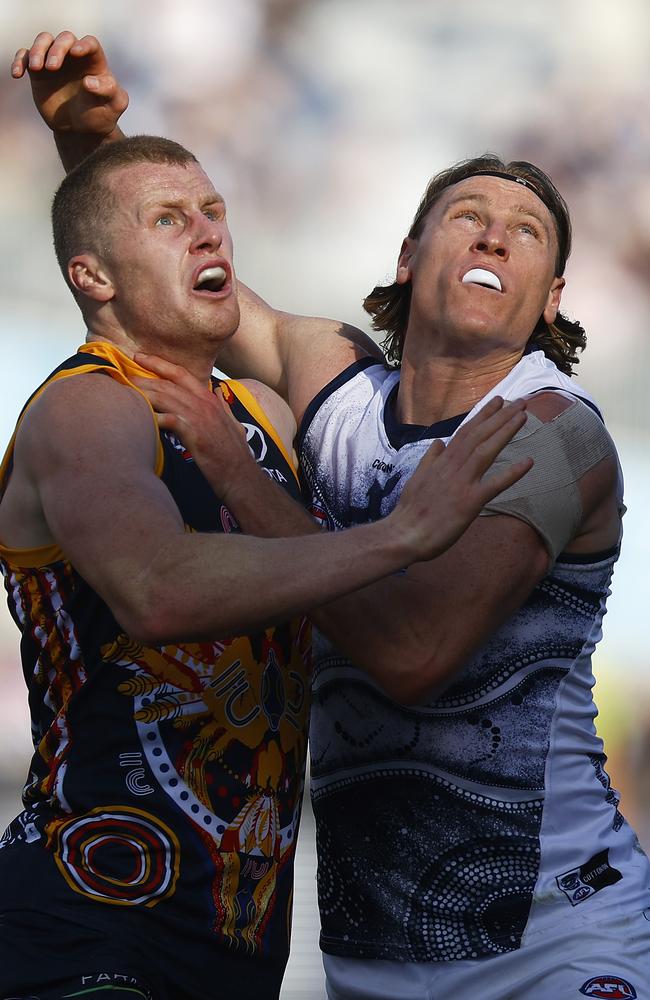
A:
{"points": [[379, 627], [261, 506], [376, 626], [410, 631], [232, 584], [73, 147]]}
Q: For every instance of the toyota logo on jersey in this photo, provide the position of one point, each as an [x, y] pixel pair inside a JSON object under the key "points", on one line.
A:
{"points": [[256, 441], [609, 987]]}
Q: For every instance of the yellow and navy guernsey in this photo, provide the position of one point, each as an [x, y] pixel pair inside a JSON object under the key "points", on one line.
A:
{"points": [[163, 799]]}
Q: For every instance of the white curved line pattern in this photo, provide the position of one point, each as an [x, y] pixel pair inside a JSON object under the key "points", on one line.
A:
{"points": [[91, 851]]}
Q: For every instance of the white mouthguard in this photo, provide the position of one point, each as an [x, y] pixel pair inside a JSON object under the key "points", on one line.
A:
{"points": [[479, 276], [216, 274]]}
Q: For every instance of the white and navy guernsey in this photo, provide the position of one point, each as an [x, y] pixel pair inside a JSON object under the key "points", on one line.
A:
{"points": [[476, 821]]}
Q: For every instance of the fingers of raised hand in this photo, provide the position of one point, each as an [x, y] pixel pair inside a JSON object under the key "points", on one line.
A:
{"points": [[87, 46], [19, 63], [67, 44], [478, 443], [58, 51], [494, 484], [34, 57], [47, 52], [167, 370], [106, 86]]}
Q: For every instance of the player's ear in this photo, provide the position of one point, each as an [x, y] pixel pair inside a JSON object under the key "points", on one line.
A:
{"points": [[404, 261], [553, 300], [89, 276]]}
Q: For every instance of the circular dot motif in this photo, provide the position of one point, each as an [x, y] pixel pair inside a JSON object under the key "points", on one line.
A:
{"points": [[117, 855], [474, 900]]}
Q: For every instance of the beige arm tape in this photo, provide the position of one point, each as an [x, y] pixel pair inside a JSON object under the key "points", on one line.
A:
{"points": [[548, 497]]}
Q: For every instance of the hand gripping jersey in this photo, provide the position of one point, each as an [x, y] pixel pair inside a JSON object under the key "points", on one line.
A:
{"points": [[164, 794], [474, 822]]}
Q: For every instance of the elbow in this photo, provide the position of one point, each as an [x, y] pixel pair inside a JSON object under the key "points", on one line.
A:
{"points": [[147, 625], [152, 617], [411, 694], [423, 680], [160, 615], [403, 689]]}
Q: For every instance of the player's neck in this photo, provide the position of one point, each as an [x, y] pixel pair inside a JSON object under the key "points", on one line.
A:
{"points": [[436, 387], [199, 365]]}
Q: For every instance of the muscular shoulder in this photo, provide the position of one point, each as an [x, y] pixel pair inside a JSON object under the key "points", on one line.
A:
{"points": [[317, 351], [78, 439], [275, 408], [86, 409], [583, 437], [296, 355], [547, 405], [571, 494]]}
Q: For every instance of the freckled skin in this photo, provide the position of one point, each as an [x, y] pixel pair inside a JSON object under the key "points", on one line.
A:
{"points": [[168, 222]]}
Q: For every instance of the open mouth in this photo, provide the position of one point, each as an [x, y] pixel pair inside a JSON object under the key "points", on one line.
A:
{"points": [[211, 279], [480, 276]]}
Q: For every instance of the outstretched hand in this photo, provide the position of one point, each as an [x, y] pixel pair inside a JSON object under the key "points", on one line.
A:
{"points": [[73, 87], [450, 486]]}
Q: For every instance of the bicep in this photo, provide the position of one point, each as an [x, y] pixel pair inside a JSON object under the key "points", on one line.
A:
{"points": [[255, 349], [90, 448], [476, 585], [569, 499], [295, 355]]}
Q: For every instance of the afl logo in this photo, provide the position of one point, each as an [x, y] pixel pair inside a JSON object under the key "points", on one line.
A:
{"points": [[609, 987]]}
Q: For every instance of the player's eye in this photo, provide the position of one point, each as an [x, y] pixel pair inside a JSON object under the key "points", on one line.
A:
{"points": [[468, 214]]}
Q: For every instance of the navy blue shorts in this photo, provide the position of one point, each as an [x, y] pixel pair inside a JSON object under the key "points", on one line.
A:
{"points": [[102, 984], [47, 957]]}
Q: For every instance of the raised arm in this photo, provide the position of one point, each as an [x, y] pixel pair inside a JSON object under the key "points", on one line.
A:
{"points": [[78, 97], [295, 355], [74, 91], [85, 458]]}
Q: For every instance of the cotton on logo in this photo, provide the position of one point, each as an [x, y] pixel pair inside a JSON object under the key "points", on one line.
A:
{"points": [[609, 987]]}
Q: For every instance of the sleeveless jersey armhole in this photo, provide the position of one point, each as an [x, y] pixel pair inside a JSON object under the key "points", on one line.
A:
{"points": [[248, 401], [46, 555]]}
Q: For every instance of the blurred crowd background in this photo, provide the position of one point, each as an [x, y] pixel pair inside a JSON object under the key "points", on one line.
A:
{"points": [[320, 121]]}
